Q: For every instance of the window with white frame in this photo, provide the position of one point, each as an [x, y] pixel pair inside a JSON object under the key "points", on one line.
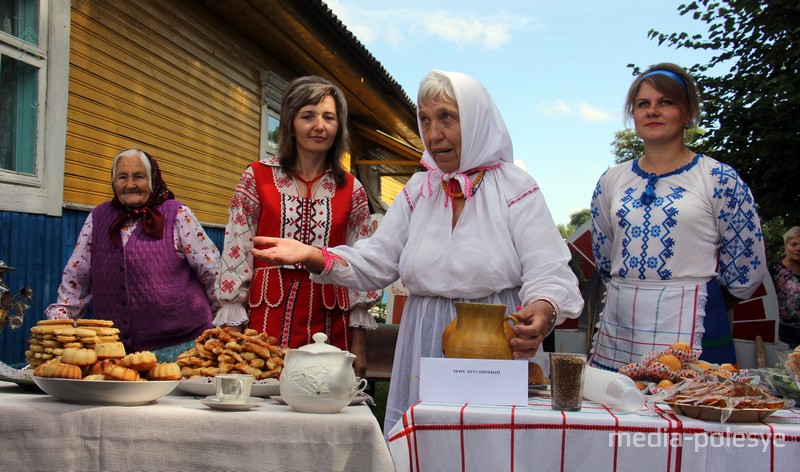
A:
{"points": [[272, 87], [34, 74], [20, 63]]}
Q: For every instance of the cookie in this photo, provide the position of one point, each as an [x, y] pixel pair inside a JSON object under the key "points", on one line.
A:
{"points": [[95, 323], [59, 321]]}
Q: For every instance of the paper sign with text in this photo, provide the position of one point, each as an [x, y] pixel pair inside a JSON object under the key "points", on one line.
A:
{"points": [[479, 381]]}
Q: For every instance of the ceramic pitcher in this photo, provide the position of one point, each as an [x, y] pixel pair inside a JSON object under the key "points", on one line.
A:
{"points": [[479, 331]]}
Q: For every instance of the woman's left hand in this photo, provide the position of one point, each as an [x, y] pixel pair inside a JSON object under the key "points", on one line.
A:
{"points": [[534, 319]]}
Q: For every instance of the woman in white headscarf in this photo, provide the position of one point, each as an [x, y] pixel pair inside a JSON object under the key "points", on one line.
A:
{"points": [[474, 228]]}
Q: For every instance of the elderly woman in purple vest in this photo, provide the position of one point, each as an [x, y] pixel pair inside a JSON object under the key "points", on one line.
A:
{"points": [[145, 263]]}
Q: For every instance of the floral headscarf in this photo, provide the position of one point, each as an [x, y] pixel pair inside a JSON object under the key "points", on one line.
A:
{"points": [[485, 142], [153, 220]]}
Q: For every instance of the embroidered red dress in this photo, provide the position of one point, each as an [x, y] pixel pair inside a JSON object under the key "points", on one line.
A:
{"points": [[283, 301]]}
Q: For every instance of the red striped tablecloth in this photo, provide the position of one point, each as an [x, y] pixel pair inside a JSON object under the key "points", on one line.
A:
{"points": [[450, 437]]}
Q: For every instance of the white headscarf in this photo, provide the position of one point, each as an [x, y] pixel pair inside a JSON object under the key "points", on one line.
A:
{"points": [[485, 141]]}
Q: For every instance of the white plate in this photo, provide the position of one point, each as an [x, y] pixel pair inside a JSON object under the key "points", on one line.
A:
{"points": [[213, 402], [106, 392], [355, 401], [205, 386]]}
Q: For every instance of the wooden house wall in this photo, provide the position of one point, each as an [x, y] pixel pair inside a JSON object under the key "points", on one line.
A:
{"points": [[390, 188], [170, 80], [165, 76]]}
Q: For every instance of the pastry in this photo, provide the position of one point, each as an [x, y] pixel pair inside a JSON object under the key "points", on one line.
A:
{"points": [[535, 373], [113, 350], [118, 372], [681, 346], [100, 366], [104, 332], [222, 350], [671, 361], [80, 357], [95, 377], [55, 369], [93, 322], [140, 361], [165, 371]]}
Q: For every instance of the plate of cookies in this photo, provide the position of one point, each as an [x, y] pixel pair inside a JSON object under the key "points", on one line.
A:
{"points": [[221, 350], [87, 364], [106, 392]]}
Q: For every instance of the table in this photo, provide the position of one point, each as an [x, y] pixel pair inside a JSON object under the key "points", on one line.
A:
{"points": [[179, 433], [451, 437]]}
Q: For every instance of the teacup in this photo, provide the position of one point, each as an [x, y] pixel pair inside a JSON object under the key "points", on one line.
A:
{"points": [[233, 388], [358, 387]]}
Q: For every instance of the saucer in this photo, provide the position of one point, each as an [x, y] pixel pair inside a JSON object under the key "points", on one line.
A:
{"points": [[355, 401], [278, 399], [214, 403]]}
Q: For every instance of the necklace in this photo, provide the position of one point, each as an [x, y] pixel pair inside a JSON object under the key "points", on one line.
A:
{"points": [[460, 194]]}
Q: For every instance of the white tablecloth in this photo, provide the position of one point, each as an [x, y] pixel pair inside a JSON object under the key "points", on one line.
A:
{"points": [[448, 437], [179, 433]]}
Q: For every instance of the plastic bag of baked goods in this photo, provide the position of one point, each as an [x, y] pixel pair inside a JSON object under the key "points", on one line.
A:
{"points": [[721, 395]]}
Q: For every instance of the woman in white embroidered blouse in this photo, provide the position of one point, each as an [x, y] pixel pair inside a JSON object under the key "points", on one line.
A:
{"points": [[302, 193], [474, 227], [675, 234]]}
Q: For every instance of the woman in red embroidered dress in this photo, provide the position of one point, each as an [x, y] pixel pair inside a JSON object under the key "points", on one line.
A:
{"points": [[302, 193]]}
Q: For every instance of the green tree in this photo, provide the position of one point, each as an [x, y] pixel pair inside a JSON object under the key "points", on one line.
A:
{"points": [[751, 109], [627, 145], [773, 230], [576, 219]]}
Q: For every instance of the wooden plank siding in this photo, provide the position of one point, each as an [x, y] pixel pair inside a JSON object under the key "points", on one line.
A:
{"points": [[391, 187], [167, 79]]}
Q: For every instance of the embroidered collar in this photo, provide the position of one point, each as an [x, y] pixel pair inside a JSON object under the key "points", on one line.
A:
{"points": [[649, 194]]}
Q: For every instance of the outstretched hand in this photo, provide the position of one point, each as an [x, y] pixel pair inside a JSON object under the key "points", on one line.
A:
{"points": [[283, 251]]}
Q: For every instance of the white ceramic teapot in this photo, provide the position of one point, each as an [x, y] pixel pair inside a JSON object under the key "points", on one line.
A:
{"points": [[319, 378]]}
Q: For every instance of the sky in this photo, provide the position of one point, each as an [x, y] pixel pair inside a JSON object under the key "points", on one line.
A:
{"points": [[557, 70]]}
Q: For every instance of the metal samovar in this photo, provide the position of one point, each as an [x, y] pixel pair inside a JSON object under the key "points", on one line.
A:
{"points": [[18, 303]]}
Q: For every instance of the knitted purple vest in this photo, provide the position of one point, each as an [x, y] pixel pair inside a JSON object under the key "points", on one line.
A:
{"points": [[151, 295]]}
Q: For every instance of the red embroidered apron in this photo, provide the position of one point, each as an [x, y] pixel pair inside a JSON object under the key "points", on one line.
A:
{"points": [[283, 301]]}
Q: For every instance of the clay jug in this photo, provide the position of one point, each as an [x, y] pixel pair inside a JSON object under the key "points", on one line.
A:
{"points": [[479, 331]]}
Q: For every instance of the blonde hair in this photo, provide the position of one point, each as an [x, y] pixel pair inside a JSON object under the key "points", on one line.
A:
{"points": [[792, 233]]}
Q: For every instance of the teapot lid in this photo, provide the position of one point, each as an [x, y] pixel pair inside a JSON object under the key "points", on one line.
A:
{"points": [[319, 345]]}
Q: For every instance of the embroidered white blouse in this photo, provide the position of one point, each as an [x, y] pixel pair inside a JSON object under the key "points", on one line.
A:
{"points": [[702, 224]]}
